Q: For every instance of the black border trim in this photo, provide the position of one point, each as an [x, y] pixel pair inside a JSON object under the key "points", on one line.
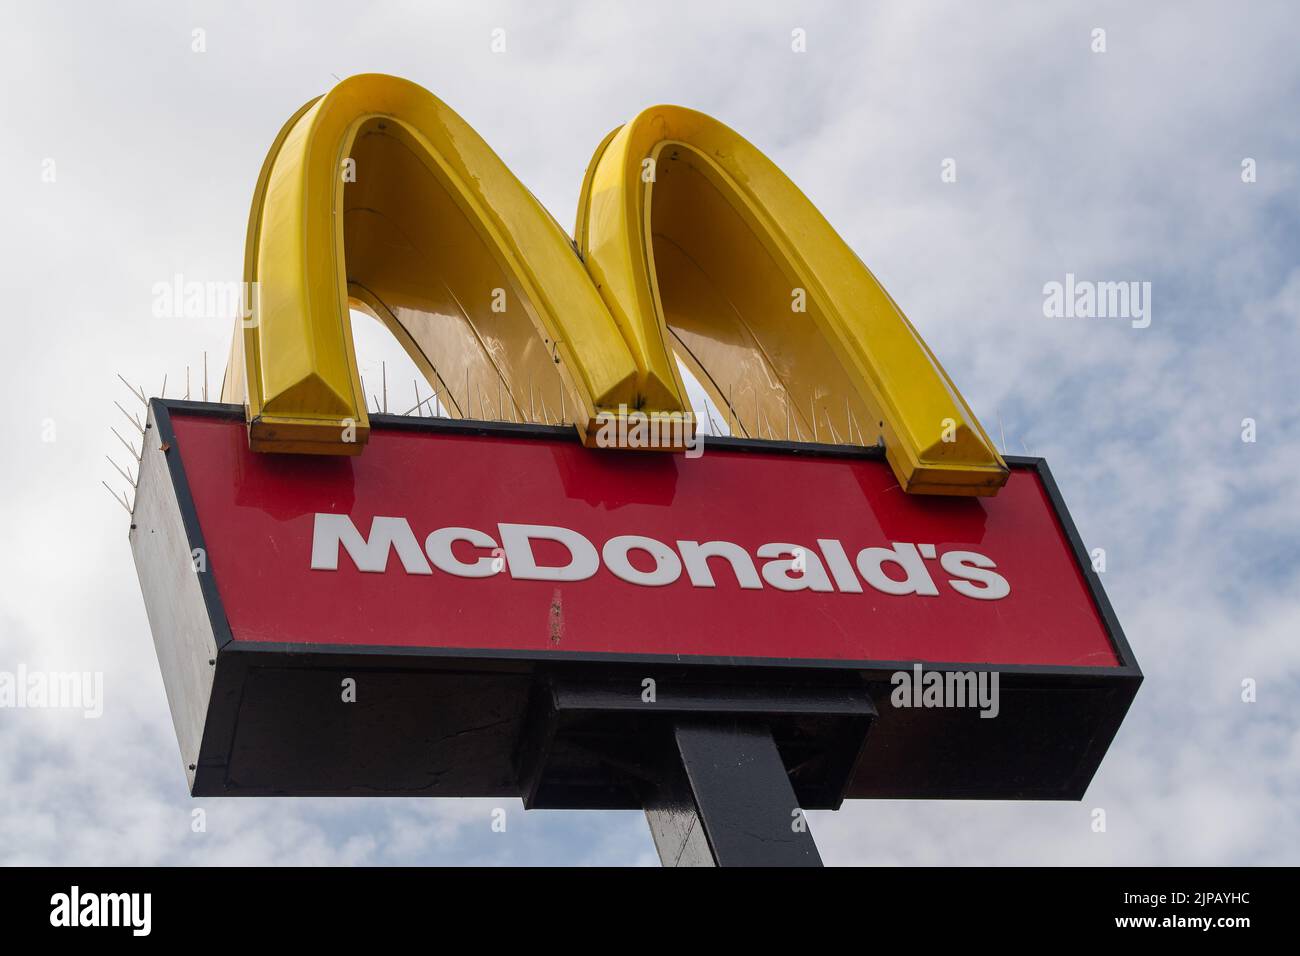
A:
{"points": [[161, 409]]}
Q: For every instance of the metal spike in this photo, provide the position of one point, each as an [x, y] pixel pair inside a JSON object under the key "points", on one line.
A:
{"points": [[798, 432], [131, 418], [138, 394], [129, 447], [163, 394], [835, 436], [419, 407], [120, 499], [205, 376], [853, 424], [713, 426], [121, 472], [187, 383], [383, 370]]}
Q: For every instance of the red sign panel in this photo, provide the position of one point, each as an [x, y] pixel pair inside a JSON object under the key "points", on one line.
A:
{"points": [[492, 542]]}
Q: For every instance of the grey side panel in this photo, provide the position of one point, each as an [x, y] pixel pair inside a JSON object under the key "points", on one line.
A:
{"points": [[178, 617]]}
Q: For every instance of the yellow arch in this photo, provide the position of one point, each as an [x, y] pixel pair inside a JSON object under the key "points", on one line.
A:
{"points": [[701, 246], [417, 167], [691, 241]]}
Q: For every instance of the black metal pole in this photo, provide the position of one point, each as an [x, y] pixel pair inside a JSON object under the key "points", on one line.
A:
{"points": [[724, 799]]}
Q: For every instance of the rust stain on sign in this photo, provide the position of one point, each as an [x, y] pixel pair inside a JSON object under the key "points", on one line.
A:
{"points": [[557, 618]]}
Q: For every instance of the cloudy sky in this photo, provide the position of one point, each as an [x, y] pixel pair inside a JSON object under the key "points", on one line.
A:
{"points": [[1122, 165]]}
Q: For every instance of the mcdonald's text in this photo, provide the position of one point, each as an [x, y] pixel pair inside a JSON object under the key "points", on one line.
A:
{"points": [[902, 568]]}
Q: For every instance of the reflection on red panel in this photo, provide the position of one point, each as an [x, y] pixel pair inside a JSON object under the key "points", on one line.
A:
{"points": [[258, 515]]}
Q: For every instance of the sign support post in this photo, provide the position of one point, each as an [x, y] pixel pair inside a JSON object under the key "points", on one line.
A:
{"points": [[723, 798], [722, 768]]}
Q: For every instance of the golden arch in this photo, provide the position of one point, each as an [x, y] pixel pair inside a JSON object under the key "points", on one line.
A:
{"points": [[701, 246], [436, 230], [692, 244]]}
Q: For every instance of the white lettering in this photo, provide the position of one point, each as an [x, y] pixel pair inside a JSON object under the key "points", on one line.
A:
{"points": [[696, 556], [438, 547], [788, 567], [668, 567], [333, 531], [871, 563], [968, 565], [517, 539], [778, 573]]}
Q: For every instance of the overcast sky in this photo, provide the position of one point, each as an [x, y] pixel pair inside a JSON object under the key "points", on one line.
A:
{"points": [[1123, 165]]}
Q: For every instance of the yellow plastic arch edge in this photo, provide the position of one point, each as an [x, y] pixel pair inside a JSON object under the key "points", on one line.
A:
{"points": [[933, 441], [293, 362]]}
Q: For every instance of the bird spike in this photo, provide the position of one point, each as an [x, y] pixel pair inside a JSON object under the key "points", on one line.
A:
{"points": [[132, 419], [120, 499], [129, 447], [138, 393], [121, 472]]}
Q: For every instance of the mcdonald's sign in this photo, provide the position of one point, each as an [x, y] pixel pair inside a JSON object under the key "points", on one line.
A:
{"points": [[524, 595]]}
